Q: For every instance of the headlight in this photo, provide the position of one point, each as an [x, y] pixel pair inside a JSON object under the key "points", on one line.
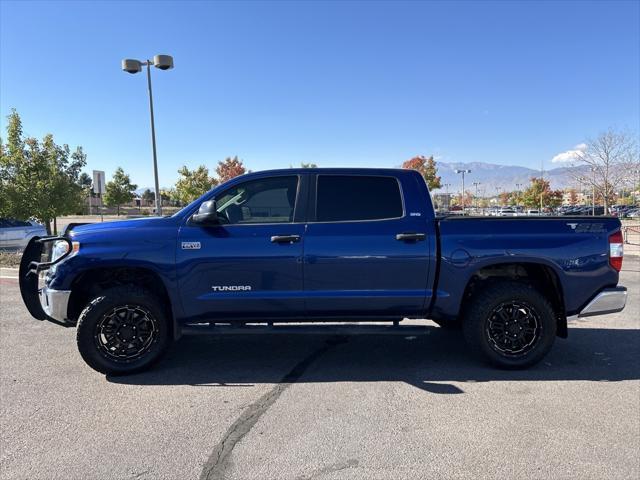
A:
{"points": [[61, 247]]}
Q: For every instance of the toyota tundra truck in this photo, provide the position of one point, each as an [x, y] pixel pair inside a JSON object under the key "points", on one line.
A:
{"points": [[322, 246]]}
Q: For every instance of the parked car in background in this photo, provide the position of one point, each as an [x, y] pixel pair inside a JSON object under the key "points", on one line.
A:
{"points": [[625, 211], [15, 234], [584, 210], [533, 212], [506, 212]]}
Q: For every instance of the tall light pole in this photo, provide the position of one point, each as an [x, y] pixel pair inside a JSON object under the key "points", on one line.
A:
{"points": [[593, 192], [582, 180], [476, 184], [446, 193], [463, 173], [541, 184], [163, 62]]}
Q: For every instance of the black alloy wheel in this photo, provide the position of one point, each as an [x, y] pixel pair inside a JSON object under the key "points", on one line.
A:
{"points": [[124, 330], [510, 323], [513, 328], [126, 333]]}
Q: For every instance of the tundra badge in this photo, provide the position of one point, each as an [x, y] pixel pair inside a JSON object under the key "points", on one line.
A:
{"points": [[231, 288]]}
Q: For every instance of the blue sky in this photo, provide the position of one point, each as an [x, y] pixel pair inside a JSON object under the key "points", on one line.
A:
{"points": [[335, 83]]}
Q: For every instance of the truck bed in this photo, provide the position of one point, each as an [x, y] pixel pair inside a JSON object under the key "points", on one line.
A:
{"points": [[574, 248]]}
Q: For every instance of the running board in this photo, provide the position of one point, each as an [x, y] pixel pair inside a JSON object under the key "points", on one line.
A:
{"points": [[350, 329]]}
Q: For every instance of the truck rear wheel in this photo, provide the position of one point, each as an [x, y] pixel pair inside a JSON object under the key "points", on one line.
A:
{"points": [[511, 324], [122, 331]]}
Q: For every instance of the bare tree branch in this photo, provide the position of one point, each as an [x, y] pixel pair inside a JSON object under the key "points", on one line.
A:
{"points": [[611, 158]]}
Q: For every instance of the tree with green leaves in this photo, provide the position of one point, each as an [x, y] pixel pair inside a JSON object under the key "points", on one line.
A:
{"points": [[539, 192], [192, 184], [148, 197], [85, 180], [119, 190], [427, 168], [167, 196], [38, 179], [308, 165]]}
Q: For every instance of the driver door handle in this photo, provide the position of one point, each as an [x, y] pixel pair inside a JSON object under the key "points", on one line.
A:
{"points": [[410, 236], [285, 238]]}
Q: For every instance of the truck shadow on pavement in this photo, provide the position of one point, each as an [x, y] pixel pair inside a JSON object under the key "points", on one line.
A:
{"points": [[429, 362]]}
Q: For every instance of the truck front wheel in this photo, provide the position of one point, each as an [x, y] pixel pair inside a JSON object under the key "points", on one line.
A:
{"points": [[510, 323], [122, 331]]}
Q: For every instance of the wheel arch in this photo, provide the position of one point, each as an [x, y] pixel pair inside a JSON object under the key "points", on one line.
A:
{"points": [[90, 283], [541, 276]]}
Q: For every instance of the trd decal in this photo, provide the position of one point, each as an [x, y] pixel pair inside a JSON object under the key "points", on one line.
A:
{"points": [[587, 227]]}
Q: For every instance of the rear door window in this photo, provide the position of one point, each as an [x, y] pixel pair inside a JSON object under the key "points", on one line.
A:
{"points": [[342, 198]]}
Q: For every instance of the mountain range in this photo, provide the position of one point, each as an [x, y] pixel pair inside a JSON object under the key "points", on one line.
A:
{"points": [[504, 177], [491, 176]]}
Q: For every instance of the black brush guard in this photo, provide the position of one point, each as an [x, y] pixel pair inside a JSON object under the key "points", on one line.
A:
{"points": [[30, 267]]}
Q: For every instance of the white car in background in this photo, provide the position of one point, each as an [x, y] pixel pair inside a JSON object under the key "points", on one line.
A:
{"points": [[15, 234], [533, 212], [507, 212]]}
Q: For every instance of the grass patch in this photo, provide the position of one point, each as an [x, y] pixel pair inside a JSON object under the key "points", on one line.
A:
{"points": [[10, 259]]}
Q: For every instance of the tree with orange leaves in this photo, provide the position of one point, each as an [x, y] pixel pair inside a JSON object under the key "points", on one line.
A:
{"points": [[573, 197], [230, 168], [427, 168]]}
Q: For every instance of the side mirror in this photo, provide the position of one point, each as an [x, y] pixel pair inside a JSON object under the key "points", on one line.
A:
{"points": [[207, 214]]}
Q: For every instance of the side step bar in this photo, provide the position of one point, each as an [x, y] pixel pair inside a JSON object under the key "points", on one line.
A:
{"points": [[301, 329]]}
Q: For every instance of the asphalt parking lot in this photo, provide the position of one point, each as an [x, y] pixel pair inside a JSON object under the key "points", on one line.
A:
{"points": [[316, 407]]}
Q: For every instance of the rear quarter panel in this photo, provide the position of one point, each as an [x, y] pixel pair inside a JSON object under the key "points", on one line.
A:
{"points": [[575, 248]]}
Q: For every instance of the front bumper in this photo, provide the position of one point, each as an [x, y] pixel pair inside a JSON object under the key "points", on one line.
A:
{"points": [[42, 303], [54, 303], [609, 300]]}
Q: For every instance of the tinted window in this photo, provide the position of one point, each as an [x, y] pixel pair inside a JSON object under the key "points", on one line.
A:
{"points": [[12, 223], [19, 223], [268, 200], [344, 197]]}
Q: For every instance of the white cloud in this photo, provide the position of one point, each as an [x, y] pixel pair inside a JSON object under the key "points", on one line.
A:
{"points": [[570, 155]]}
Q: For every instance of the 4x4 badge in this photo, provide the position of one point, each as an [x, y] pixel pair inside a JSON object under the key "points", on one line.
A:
{"points": [[191, 245]]}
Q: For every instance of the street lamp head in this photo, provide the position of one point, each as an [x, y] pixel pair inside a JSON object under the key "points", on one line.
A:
{"points": [[163, 62], [130, 65]]}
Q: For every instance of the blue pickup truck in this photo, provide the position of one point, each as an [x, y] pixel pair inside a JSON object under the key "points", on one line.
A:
{"points": [[322, 245]]}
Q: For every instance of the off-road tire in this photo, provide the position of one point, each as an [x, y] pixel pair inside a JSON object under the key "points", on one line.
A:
{"points": [[480, 315], [95, 353]]}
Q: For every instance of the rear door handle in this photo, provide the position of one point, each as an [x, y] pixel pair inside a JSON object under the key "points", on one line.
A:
{"points": [[285, 238], [410, 236]]}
